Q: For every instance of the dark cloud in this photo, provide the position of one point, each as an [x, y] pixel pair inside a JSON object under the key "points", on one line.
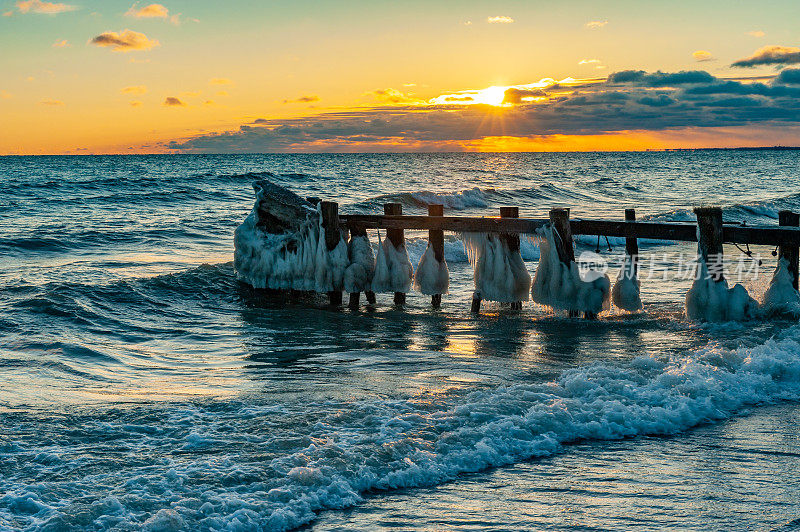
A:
{"points": [[789, 76], [770, 55], [172, 101], [661, 79], [304, 99], [515, 96], [125, 41], [630, 100]]}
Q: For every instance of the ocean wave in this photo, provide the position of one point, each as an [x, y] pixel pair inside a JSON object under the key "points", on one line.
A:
{"points": [[459, 200], [242, 466]]}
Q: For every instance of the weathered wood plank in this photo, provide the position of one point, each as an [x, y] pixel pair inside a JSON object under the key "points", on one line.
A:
{"points": [[669, 231]]}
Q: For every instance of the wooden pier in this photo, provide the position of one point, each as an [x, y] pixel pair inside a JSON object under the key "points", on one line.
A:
{"points": [[710, 231]]}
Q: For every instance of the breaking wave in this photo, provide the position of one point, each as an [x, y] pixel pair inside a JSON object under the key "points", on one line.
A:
{"points": [[239, 466]]}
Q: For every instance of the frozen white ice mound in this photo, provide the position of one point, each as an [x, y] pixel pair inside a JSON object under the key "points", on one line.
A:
{"points": [[393, 270], [432, 276], [625, 293], [358, 275], [560, 286], [298, 260], [499, 273], [781, 298], [712, 301]]}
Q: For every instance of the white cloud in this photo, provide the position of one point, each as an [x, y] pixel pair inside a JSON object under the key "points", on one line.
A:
{"points": [[500, 19]]}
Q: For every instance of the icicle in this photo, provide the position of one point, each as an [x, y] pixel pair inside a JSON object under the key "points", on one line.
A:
{"points": [[710, 300], [625, 293], [499, 273], [432, 276], [393, 270], [358, 276], [781, 297], [560, 286]]}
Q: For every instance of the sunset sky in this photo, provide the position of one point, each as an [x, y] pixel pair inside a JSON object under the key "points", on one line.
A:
{"points": [[200, 76]]}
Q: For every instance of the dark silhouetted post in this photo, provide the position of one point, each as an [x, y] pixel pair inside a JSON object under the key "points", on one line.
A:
{"points": [[330, 225], [790, 253], [397, 238], [436, 240], [709, 225], [631, 243]]}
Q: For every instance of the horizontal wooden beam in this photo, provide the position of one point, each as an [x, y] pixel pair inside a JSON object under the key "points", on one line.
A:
{"points": [[670, 231], [458, 224]]}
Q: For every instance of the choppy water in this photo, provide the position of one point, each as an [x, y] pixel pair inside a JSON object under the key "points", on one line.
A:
{"points": [[142, 387]]}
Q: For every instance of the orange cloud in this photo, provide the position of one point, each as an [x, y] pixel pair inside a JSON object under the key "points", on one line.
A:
{"points": [[389, 95], [151, 11], [172, 101], [61, 44], [702, 55], [47, 8], [304, 99], [5, 95], [756, 33], [770, 55], [126, 41], [595, 24], [135, 89], [136, 104], [220, 81], [51, 102]]}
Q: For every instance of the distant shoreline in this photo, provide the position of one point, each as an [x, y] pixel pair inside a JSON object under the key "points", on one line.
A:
{"points": [[649, 150]]}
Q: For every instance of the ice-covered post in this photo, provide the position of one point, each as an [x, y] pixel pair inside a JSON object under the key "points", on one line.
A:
{"points": [[330, 225], [397, 238], [512, 240], [631, 243], [559, 219], [709, 226], [790, 253], [436, 239], [356, 231]]}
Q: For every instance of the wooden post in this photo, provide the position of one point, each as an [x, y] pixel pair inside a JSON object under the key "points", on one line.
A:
{"points": [[559, 218], [397, 238], [790, 253], [436, 240], [330, 224], [512, 240], [709, 225], [631, 243]]}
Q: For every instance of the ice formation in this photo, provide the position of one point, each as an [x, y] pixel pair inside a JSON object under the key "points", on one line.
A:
{"points": [[393, 270], [297, 260], [431, 276], [358, 275], [560, 286], [500, 274], [781, 297], [625, 293], [710, 300]]}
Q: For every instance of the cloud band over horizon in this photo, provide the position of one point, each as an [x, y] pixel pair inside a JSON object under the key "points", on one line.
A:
{"points": [[625, 101]]}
